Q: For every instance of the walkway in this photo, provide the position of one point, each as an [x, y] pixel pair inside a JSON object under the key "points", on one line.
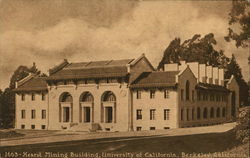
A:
{"points": [[37, 137]]}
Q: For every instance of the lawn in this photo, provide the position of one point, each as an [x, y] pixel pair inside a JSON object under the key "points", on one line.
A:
{"points": [[201, 143]]}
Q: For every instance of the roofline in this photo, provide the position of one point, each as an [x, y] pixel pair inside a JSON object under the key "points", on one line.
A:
{"points": [[132, 63]]}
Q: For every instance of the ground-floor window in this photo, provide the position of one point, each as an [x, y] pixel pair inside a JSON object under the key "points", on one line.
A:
{"points": [[198, 113], [86, 114], [166, 127], [218, 113], [22, 126], [152, 128], [66, 114], [33, 126], [138, 128], [223, 112], [43, 127], [181, 114], [108, 114], [187, 114]]}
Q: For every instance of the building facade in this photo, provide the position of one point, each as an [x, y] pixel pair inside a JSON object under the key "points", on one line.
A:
{"points": [[125, 95]]}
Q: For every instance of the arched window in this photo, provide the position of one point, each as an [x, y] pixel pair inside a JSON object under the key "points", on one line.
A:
{"points": [[205, 113], [108, 97], [212, 113], [65, 97], [187, 90], [193, 114], [218, 112], [86, 97], [224, 112], [198, 113]]}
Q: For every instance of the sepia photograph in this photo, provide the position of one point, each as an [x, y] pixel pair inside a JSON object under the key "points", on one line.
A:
{"points": [[124, 78]]}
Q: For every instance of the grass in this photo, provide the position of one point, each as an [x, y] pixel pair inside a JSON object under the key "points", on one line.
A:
{"points": [[200, 143], [10, 134]]}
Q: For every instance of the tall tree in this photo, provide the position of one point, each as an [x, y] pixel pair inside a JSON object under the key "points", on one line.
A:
{"points": [[8, 96], [239, 23], [194, 49], [233, 68]]}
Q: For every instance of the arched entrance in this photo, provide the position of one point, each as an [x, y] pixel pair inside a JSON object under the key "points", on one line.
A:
{"points": [[86, 107], [65, 107], [108, 107]]}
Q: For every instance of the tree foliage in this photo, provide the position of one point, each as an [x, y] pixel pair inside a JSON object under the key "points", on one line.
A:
{"points": [[194, 49], [7, 101], [239, 21], [243, 125], [201, 49]]}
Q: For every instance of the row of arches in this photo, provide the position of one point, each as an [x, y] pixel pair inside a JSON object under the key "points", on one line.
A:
{"points": [[86, 107], [206, 113], [107, 96]]}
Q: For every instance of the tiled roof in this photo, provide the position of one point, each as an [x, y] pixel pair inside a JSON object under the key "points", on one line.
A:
{"points": [[34, 84], [155, 79], [93, 69], [206, 86]]}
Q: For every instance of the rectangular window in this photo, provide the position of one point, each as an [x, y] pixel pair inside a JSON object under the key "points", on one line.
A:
{"points": [[166, 127], [152, 128], [182, 94], [152, 114], [212, 97], [138, 94], [166, 114], [152, 94], [181, 114], [187, 114], [32, 96], [33, 114], [22, 97], [192, 95], [22, 126], [86, 114], [43, 96], [43, 114], [43, 127], [199, 96], [23, 114], [33, 126], [138, 128], [166, 94], [139, 114]]}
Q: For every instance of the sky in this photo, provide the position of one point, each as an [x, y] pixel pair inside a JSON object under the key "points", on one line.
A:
{"points": [[46, 32]]}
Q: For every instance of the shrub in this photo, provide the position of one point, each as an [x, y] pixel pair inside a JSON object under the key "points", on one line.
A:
{"points": [[243, 125]]}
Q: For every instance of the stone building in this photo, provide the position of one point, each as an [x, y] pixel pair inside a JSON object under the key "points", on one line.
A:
{"points": [[122, 95]]}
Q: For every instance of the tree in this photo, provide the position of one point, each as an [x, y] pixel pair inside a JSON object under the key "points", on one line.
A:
{"points": [[202, 50], [233, 68], [8, 96], [239, 23], [194, 49]]}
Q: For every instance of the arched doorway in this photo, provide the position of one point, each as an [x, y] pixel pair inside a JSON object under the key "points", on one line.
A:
{"points": [[86, 107], [108, 107], [65, 107], [205, 113], [212, 112]]}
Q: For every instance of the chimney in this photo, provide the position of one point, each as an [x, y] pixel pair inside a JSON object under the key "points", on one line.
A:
{"points": [[215, 75], [202, 73], [210, 74], [221, 76]]}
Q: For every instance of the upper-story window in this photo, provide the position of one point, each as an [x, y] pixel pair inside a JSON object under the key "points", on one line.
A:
{"points": [[43, 114], [166, 94], [182, 93], [152, 114], [22, 97], [43, 96], [212, 97], [23, 114], [33, 96], [152, 94], [198, 95], [139, 114], [187, 90], [138, 94], [166, 114], [33, 114], [192, 95]]}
